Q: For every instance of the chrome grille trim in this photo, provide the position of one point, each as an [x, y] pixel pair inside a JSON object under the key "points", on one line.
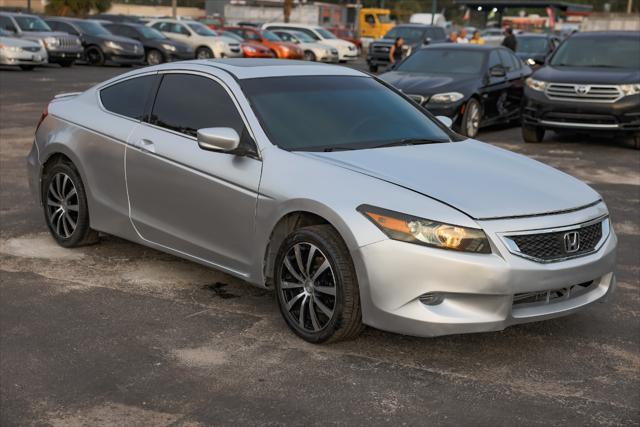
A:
{"points": [[510, 243], [594, 93]]}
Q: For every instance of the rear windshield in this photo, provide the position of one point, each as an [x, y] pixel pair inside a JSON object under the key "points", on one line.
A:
{"points": [[601, 52], [531, 45], [323, 113], [92, 28], [443, 61]]}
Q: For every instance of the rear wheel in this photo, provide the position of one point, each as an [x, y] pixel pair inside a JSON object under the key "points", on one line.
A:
{"points": [[471, 118], [204, 53], [94, 56], [309, 56], [65, 206], [532, 133], [316, 285], [27, 67], [154, 57]]}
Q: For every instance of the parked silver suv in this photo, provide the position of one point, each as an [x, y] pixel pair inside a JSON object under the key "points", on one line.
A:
{"points": [[61, 48]]}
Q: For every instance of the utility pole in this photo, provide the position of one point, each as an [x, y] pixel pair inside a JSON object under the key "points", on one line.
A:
{"points": [[629, 7], [174, 8], [434, 7], [28, 6]]}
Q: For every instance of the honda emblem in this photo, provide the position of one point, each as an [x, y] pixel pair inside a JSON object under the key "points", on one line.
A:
{"points": [[571, 242]]}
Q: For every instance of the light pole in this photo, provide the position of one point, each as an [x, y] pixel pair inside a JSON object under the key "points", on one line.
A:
{"points": [[174, 8], [434, 7]]}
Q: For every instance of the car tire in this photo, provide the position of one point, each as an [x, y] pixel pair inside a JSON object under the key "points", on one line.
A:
{"points": [[27, 67], [94, 56], [154, 57], [316, 286], [636, 141], [204, 53], [66, 64], [471, 118], [532, 133], [309, 56], [373, 68], [64, 202]]}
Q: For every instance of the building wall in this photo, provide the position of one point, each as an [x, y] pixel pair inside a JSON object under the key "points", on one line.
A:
{"points": [[130, 9], [37, 6], [304, 14], [611, 22]]}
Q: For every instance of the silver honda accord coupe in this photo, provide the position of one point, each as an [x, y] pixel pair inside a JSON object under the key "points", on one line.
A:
{"points": [[343, 195]]}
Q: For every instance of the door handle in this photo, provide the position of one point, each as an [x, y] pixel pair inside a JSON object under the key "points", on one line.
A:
{"points": [[147, 145]]}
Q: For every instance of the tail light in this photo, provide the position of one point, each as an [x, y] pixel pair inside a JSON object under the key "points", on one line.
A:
{"points": [[43, 116]]}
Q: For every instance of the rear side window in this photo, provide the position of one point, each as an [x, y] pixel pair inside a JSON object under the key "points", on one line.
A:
{"points": [[186, 103], [129, 97]]}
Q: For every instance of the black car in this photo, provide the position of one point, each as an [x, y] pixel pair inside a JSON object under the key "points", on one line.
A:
{"points": [[473, 85], [158, 48], [100, 46], [534, 49], [591, 83], [415, 37], [130, 19]]}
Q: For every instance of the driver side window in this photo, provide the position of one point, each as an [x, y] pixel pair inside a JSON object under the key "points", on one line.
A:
{"points": [[7, 24]]}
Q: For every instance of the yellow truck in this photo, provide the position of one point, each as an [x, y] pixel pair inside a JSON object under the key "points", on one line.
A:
{"points": [[373, 23]]}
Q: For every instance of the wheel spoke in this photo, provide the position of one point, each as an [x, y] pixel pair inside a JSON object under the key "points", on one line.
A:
{"points": [[329, 290], [72, 208], [71, 194], [320, 270], [312, 252], [59, 185], [292, 270], [291, 285], [64, 185], [71, 222], [302, 305], [58, 223], [296, 251], [52, 191], [53, 203], [295, 299], [328, 312], [314, 318], [64, 225]]}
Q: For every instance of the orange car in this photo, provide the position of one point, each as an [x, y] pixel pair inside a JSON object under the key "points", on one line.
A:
{"points": [[250, 50], [281, 49]]}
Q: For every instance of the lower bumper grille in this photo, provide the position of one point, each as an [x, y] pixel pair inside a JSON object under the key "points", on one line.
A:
{"points": [[552, 295]]}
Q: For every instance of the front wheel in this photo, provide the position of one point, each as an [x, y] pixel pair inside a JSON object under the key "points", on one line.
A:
{"points": [[95, 56], [532, 133], [65, 206], [471, 118], [309, 56], [316, 285], [204, 53], [154, 57]]}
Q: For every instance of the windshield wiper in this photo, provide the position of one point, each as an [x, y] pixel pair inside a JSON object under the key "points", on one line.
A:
{"points": [[410, 141]]}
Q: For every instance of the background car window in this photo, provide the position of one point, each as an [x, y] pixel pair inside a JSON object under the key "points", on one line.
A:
{"points": [[64, 27], [251, 35], [31, 23], [186, 103], [509, 61], [307, 32], [129, 97], [494, 60], [122, 30], [7, 24], [284, 36], [444, 61], [606, 52], [370, 19]]}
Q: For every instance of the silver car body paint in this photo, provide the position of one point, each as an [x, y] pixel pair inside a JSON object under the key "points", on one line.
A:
{"points": [[220, 210]]}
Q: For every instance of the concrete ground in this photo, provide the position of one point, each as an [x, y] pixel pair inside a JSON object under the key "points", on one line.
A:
{"points": [[119, 334]]}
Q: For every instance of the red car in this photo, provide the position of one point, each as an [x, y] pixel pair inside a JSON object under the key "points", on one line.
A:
{"points": [[348, 35], [267, 39], [249, 50]]}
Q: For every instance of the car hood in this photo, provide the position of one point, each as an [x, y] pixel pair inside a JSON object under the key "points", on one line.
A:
{"points": [[11, 41], [588, 75], [41, 35], [337, 43], [427, 84], [478, 179]]}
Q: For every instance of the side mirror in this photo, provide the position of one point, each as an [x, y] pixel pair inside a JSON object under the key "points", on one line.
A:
{"points": [[427, 40], [445, 121], [218, 139], [498, 71]]}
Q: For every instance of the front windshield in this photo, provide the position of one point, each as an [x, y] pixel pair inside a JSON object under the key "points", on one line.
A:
{"points": [[202, 30], [324, 33], [151, 33], [232, 36], [311, 113], [31, 23], [302, 37], [268, 35], [92, 28], [4, 33], [444, 61], [607, 52], [531, 45], [409, 34], [384, 18]]}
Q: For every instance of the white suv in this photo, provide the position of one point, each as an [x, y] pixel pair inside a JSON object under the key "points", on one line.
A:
{"points": [[347, 51], [204, 41]]}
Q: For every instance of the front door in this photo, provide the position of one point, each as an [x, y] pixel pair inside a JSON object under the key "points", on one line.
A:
{"points": [[197, 202]]}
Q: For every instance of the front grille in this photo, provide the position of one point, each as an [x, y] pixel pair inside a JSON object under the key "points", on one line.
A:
{"points": [[381, 49], [598, 119], [66, 42], [552, 295], [583, 93], [557, 245], [31, 48]]}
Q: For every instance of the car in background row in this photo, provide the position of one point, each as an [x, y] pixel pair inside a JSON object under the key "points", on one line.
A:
{"points": [[205, 42], [130, 19], [63, 49], [312, 51], [158, 48], [100, 46], [24, 53], [250, 50], [492, 36], [347, 51], [591, 83], [257, 37], [348, 35], [534, 49], [213, 22], [474, 86], [415, 36]]}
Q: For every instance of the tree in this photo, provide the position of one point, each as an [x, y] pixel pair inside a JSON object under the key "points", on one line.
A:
{"points": [[80, 8], [286, 11]]}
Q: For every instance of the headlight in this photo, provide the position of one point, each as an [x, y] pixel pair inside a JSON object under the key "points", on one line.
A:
{"points": [[113, 45], [531, 61], [446, 98], [10, 48], [250, 49], [534, 84], [51, 41], [407, 228], [632, 89], [169, 47]]}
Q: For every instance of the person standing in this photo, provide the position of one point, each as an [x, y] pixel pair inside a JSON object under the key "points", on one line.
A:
{"points": [[395, 53], [453, 37], [509, 39], [476, 39]]}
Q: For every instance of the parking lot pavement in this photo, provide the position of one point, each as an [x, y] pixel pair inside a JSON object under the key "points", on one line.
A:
{"points": [[116, 333]]}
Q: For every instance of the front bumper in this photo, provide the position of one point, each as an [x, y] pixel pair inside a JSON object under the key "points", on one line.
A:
{"points": [[378, 60], [23, 58], [478, 290], [622, 115], [65, 55], [347, 55], [330, 58]]}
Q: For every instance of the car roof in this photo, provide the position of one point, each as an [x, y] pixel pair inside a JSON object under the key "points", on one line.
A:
{"points": [[248, 68], [538, 35], [30, 15], [605, 34], [417, 26], [463, 46]]}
